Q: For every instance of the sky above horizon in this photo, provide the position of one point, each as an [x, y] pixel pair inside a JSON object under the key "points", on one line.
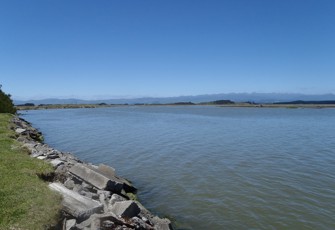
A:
{"points": [[123, 49]]}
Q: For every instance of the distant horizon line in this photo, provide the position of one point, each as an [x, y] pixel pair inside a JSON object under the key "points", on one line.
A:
{"points": [[100, 98]]}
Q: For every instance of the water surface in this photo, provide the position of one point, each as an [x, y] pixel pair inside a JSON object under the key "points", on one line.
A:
{"points": [[226, 168]]}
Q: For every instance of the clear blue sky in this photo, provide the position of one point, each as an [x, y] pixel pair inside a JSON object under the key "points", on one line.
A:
{"points": [[123, 48]]}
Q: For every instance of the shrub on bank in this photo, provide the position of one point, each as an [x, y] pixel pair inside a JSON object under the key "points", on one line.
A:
{"points": [[6, 103]]}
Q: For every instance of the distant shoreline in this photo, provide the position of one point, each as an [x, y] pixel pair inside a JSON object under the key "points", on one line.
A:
{"points": [[234, 105]]}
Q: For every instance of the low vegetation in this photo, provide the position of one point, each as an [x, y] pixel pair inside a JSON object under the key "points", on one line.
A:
{"points": [[26, 202], [6, 103]]}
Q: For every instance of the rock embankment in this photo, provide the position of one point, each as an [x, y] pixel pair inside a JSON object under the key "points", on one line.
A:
{"points": [[94, 197]]}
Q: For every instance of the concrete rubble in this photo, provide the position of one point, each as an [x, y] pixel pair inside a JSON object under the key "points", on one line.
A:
{"points": [[94, 197]]}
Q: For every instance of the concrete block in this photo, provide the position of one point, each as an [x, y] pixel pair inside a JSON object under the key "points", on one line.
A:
{"points": [[126, 209], [96, 178], [76, 205]]}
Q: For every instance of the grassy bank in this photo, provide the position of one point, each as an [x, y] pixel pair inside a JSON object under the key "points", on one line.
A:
{"points": [[25, 200]]}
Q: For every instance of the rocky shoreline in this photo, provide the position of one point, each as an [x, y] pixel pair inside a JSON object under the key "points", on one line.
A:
{"points": [[94, 197]]}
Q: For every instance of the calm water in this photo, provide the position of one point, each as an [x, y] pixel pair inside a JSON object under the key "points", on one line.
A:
{"points": [[226, 168]]}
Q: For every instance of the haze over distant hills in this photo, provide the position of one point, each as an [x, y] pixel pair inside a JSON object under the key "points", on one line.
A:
{"points": [[237, 97]]}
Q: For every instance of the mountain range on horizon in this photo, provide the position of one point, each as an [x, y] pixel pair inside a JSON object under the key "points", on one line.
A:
{"points": [[236, 97]]}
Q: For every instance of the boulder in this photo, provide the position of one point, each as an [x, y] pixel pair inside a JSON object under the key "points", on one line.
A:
{"points": [[76, 205], [125, 209]]}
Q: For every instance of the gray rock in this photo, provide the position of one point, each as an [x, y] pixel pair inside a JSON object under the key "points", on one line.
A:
{"points": [[53, 154], [36, 154], [20, 130], [144, 219], [106, 193], [125, 209], [56, 162], [70, 224], [140, 224], [101, 221], [108, 224], [45, 149], [69, 183], [78, 188], [86, 224], [115, 198], [76, 205], [29, 146], [41, 157], [161, 224], [90, 195], [35, 149], [104, 198], [22, 139], [86, 186], [61, 170]]}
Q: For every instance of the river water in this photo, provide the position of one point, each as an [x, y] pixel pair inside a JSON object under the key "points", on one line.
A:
{"points": [[208, 167]]}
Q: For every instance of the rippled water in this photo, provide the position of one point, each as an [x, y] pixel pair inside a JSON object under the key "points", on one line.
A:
{"points": [[211, 167]]}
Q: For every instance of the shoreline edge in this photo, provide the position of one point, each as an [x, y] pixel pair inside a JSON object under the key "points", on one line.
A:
{"points": [[94, 197]]}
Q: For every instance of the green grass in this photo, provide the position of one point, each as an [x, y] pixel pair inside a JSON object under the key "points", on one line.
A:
{"points": [[26, 202]]}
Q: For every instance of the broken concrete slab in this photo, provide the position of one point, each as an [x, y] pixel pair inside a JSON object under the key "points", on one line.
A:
{"points": [[97, 179], [125, 209], [110, 173], [76, 205]]}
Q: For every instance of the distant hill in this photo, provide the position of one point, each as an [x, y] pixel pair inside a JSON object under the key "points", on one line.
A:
{"points": [[236, 97], [306, 103]]}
